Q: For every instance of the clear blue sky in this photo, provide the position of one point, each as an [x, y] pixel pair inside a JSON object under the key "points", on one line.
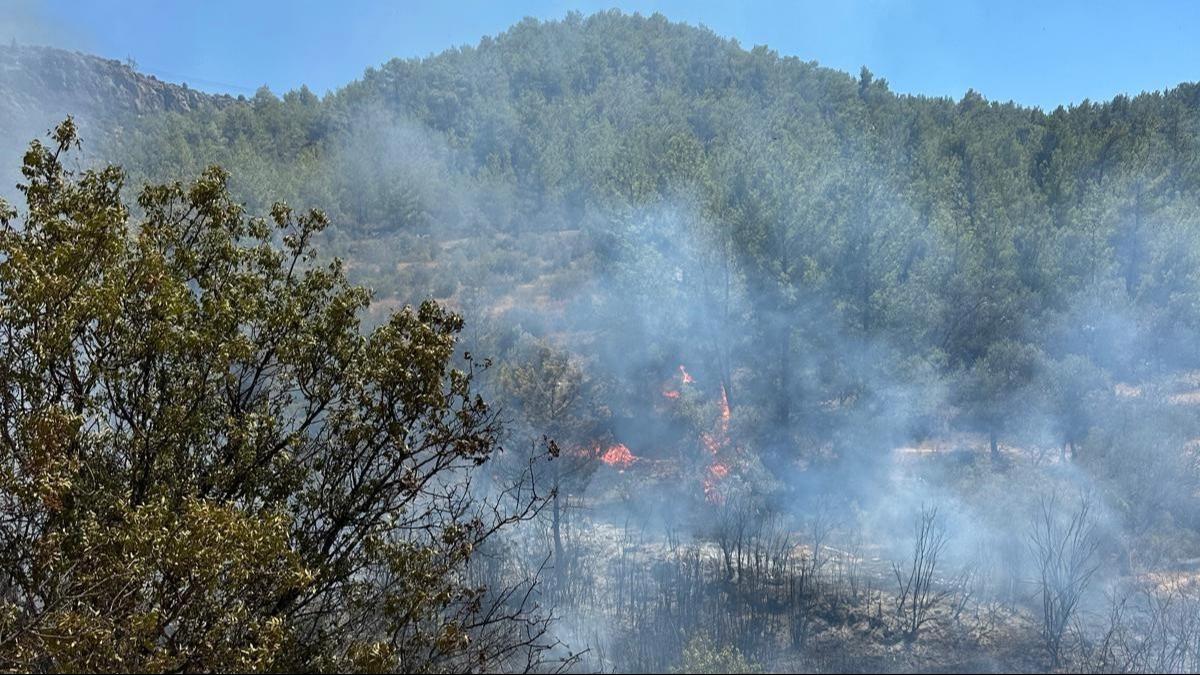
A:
{"points": [[1038, 53]]}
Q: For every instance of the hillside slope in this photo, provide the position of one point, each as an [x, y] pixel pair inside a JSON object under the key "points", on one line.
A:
{"points": [[535, 170], [754, 286], [41, 85]]}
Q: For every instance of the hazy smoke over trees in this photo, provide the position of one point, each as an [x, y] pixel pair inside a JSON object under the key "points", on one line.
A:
{"points": [[835, 377]]}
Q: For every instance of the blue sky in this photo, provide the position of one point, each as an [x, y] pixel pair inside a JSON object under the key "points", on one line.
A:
{"points": [[1037, 53]]}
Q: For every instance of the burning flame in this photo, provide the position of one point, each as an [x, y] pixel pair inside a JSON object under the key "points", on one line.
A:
{"points": [[684, 378], [712, 491], [716, 443], [719, 438], [618, 456]]}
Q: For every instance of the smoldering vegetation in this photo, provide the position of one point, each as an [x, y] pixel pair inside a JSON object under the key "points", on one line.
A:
{"points": [[889, 527], [838, 379]]}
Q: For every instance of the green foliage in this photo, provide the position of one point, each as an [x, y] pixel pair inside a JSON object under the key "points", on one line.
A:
{"points": [[808, 199], [608, 199], [642, 194], [206, 463], [551, 395], [996, 387]]}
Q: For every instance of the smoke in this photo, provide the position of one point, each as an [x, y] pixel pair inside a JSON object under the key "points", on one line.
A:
{"points": [[669, 320], [30, 22], [786, 345], [29, 108]]}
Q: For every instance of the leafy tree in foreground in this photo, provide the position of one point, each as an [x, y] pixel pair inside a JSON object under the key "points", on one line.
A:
{"points": [[206, 465]]}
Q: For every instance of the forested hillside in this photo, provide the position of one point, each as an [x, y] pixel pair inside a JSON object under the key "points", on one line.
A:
{"points": [[770, 316], [652, 193]]}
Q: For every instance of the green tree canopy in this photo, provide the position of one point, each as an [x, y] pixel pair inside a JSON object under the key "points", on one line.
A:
{"points": [[206, 464]]}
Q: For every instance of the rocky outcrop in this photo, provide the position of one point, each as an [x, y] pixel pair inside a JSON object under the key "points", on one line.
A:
{"points": [[34, 78], [40, 86]]}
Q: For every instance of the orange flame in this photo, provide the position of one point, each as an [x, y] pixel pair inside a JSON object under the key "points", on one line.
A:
{"points": [[684, 378], [712, 490], [618, 456], [718, 439], [716, 442]]}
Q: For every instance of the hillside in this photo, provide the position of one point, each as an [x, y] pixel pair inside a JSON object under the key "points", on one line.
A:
{"points": [[41, 84], [784, 324], [489, 156]]}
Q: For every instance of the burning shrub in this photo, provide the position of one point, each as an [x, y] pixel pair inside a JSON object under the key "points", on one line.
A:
{"points": [[618, 456]]}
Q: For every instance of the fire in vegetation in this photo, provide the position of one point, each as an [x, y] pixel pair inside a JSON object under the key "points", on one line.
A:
{"points": [[716, 441], [715, 444], [672, 393], [618, 456], [717, 472]]}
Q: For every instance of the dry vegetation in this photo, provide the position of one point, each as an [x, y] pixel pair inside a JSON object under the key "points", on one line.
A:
{"points": [[818, 591]]}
